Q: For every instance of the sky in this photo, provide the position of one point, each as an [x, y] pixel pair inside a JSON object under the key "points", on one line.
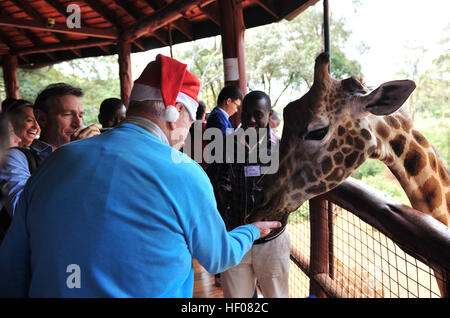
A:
{"points": [[385, 26]]}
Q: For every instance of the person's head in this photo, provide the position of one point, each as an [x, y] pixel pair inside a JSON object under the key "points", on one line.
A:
{"points": [[24, 123], [201, 111], [59, 111], [274, 120], [256, 110], [112, 112], [230, 99], [166, 93], [8, 101]]}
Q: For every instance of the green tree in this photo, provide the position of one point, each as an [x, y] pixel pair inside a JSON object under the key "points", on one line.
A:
{"points": [[284, 59], [205, 58]]}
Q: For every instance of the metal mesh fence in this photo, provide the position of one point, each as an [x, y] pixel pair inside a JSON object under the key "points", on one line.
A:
{"points": [[365, 262]]}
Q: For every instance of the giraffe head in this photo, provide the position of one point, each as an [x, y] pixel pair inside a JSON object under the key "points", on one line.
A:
{"points": [[326, 136]]}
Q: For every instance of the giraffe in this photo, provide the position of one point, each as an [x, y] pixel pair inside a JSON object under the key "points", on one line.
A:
{"points": [[333, 129]]}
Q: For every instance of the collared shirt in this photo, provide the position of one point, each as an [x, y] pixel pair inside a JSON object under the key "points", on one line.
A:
{"points": [[238, 189], [15, 173], [148, 125]]}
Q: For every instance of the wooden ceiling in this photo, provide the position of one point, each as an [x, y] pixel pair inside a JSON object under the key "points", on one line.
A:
{"points": [[36, 30]]}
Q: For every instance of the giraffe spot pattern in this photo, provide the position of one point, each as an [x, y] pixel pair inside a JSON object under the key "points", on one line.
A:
{"points": [[350, 159], [444, 175], [405, 123], [327, 164], [359, 144], [382, 130], [432, 160], [420, 139], [415, 160], [338, 158], [321, 187], [361, 159], [333, 145], [298, 181], [391, 121], [349, 140], [346, 150], [432, 193], [336, 175], [366, 134], [398, 144], [341, 130]]}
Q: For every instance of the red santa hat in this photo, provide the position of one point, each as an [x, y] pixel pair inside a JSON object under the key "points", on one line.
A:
{"points": [[168, 80]]}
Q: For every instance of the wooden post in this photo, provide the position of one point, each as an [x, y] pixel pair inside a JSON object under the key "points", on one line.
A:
{"points": [[319, 261], [10, 76], [326, 30], [232, 30], [126, 80]]}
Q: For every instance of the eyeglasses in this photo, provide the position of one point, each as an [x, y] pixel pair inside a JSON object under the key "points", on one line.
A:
{"points": [[238, 105]]}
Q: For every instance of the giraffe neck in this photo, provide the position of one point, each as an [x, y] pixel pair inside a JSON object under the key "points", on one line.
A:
{"points": [[415, 164]]}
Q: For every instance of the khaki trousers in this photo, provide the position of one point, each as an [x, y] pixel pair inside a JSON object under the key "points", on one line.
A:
{"points": [[267, 263]]}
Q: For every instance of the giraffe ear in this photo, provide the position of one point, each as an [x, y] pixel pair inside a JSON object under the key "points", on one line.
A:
{"points": [[388, 97]]}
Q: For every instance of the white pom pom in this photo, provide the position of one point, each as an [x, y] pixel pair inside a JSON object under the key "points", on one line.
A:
{"points": [[171, 114]]}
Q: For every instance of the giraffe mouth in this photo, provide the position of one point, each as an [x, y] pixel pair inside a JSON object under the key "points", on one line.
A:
{"points": [[272, 209]]}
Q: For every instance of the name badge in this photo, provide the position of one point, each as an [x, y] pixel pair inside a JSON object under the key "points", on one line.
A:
{"points": [[252, 171]]}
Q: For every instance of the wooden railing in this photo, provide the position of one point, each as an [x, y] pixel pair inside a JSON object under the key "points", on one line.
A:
{"points": [[419, 235]]}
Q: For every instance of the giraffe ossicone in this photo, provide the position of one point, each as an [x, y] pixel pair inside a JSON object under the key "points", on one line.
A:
{"points": [[334, 128]]}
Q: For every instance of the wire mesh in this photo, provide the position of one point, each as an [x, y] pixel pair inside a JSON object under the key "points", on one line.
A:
{"points": [[365, 262]]}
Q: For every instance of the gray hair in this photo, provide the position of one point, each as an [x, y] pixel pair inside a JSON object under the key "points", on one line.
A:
{"points": [[154, 108]]}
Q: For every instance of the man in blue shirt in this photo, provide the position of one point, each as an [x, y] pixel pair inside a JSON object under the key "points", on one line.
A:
{"points": [[59, 112], [117, 215], [228, 102]]}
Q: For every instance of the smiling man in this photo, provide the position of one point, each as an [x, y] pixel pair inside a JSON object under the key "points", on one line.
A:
{"points": [[59, 112]]}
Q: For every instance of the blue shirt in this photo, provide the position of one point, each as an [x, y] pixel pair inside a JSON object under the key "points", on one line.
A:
{"points": [[15, 173], [120, 209]]}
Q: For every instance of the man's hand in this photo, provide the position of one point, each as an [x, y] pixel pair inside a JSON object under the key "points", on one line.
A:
{"points": [[265, 227], [87, 132]]}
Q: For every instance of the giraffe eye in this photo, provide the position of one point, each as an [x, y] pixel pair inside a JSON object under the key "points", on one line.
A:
{"points": [[317, 134]]}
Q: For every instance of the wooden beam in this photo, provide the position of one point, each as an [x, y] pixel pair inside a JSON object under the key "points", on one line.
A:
{"points": [[62, 46], [36, 41], [319, 258], [269, 7], [10, 76], [58, 28], [160, 18], [212, 12], [107, 14], [125, 76], [300, 9], [184, 27]]}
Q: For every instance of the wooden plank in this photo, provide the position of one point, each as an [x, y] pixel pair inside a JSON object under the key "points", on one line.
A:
{"points": [[10, 76], [58, 28], [160, 18], [62, 46]]}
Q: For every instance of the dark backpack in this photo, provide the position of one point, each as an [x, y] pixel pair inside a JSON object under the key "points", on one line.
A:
{"points": [[33, 163]]}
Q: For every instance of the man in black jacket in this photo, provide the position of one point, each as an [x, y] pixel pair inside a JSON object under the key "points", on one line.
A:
{"points": [[238, 190]]}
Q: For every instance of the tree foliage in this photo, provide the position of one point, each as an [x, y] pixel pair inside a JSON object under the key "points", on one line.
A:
{"points": [[282, 56]]}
